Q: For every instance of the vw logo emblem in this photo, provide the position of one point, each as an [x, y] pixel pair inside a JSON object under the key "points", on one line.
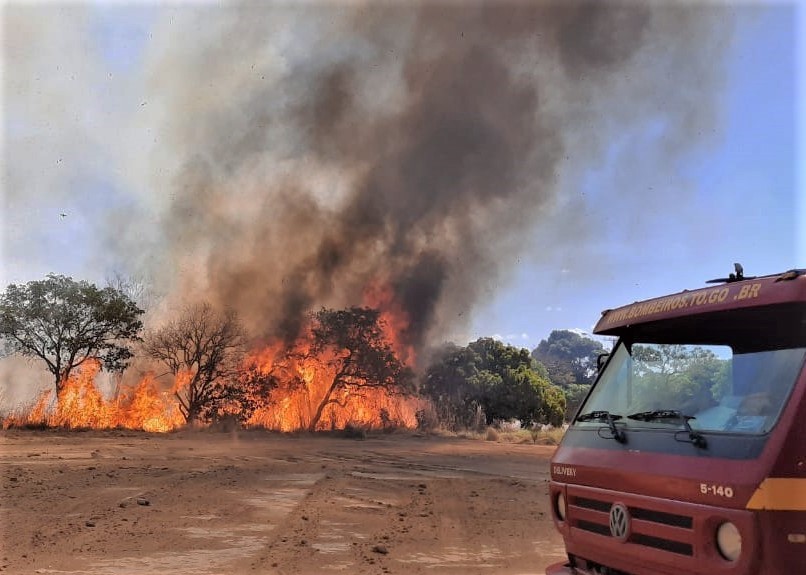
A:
{"points": [[620, 521]]}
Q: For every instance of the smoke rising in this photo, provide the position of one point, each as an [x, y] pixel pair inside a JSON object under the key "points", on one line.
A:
{"points": [[301, 155]]}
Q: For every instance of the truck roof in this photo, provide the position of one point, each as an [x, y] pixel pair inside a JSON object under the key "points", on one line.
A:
{"points": [[787, 287]]}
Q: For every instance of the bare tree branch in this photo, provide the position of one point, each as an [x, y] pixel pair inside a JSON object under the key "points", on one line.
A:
{"points": [[207, 347]]}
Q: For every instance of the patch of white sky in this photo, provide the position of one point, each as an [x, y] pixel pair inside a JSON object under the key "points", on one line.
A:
{"points": [[55, 224], [742, 194]]}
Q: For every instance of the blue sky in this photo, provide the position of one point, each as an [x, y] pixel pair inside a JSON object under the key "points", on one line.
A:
{"points": [[747, 206], [737, 197]]}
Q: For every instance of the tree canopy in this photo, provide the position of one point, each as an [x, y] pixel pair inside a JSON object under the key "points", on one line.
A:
{"points": [[570, 362], [353, 345], [668, 374], [65, 322], [500, 380], [569, 358]]}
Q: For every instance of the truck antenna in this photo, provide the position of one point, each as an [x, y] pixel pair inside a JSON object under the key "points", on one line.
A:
{"points": [[734, 277]]}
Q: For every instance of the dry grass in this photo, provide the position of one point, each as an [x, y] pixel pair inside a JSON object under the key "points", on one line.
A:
{"points": [[534, 436], [519, 436], [427, 426]]}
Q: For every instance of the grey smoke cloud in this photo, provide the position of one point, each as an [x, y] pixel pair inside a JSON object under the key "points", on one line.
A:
{"points": [[293, 157]]}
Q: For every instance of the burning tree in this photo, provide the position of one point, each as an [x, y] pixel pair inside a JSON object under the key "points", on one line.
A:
{"points": [[352, 345], [65, 323], [204, 350]]}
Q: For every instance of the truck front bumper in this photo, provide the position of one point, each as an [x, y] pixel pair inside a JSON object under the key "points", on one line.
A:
{"points": [[563, 569]]}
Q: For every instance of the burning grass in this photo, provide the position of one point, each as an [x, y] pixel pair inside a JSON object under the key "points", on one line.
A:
{"points": [[149, 406], [343, 373], [344, 369], [305, 379], [81, 405]]}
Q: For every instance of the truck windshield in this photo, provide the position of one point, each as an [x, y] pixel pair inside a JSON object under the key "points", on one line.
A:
{"points": [[721, 391]]}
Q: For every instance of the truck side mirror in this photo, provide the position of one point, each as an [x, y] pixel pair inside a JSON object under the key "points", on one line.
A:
{"points": [[601, 360]]}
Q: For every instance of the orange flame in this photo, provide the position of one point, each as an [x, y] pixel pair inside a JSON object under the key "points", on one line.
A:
{"points": [[301, 383], [304, 381], [81, 405], [394, 319], [145, 407]]}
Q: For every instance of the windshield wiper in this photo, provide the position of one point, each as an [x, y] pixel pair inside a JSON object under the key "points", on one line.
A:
{"points": [[696, 438], [608, 417]]}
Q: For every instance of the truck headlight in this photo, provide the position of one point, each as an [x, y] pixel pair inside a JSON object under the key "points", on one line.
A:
{"points": [[560, 505], [729, 541]]}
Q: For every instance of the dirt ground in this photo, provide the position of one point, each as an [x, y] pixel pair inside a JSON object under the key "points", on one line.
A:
{"points": [[125, 503]]}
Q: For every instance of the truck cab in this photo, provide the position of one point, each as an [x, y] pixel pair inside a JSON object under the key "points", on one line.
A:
{"points": [[689, 453]]}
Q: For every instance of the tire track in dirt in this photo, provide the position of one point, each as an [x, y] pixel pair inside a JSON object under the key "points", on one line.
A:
{"points": [[262, 503], [381, 513]]}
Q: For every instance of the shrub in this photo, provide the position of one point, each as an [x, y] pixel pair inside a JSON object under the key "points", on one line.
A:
{"points": [[478, 419], [387, 424], [427, 419], [228, 423], [354, 431]]}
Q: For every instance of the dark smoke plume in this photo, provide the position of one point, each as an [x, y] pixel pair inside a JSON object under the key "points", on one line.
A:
{"points": [[327, 149]]}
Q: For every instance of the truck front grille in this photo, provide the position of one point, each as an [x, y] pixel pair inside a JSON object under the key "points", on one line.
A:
{"points": [[664, 544], [649, 527]]}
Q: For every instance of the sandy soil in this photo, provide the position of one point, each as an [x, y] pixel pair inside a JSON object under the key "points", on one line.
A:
{"points": [[207, 503]]}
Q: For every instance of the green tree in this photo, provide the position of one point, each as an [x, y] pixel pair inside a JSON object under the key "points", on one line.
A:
{"points": [[520, 393], [65, 322], [689, 377], [495, 356], [204, 350], [553, 406], [352, 343], [486, 393], [569, 358], [500, 379], [574, 396], [451, 383]]}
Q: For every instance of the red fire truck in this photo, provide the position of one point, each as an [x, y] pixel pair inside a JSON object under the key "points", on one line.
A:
{"points": [[689, 454]]}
